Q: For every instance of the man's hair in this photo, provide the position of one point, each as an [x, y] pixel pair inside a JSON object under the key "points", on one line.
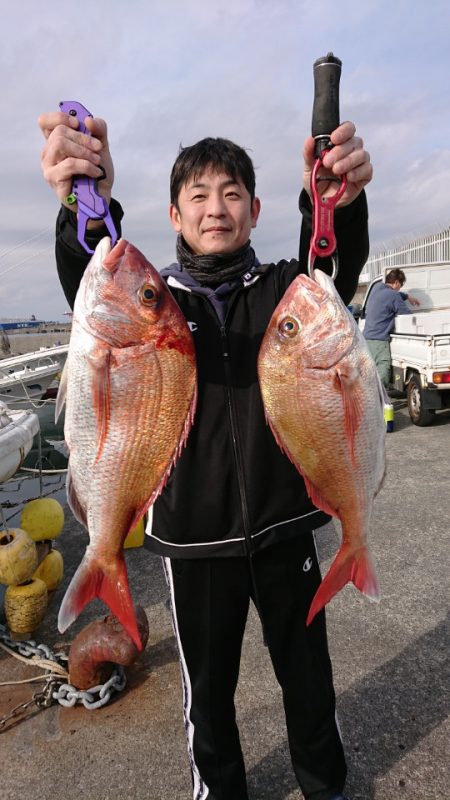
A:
{"points": [[396, 275], [218, 155]]}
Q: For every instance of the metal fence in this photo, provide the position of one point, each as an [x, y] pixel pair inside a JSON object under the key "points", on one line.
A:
{"points": [[433, 249]]}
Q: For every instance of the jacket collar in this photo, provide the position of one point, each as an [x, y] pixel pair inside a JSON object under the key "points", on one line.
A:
{"points": [[179, 278]]}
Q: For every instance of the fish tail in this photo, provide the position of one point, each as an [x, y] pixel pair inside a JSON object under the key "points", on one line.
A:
{"points": [[348, 566], [91, 581]]}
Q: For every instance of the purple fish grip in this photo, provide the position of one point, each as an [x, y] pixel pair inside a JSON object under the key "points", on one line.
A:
{"points": [[82, 226], [75, 109], [91, 205], [85, 190]]}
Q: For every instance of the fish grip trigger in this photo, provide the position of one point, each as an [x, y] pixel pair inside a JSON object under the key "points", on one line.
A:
{"points": [[91, 205]]}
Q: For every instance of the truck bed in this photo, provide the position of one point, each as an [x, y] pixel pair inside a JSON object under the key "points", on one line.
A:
{"points": [[436, 321], [421, 350]]}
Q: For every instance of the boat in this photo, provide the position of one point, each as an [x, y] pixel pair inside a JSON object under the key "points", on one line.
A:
{"points": [[60, 352], [25, 379], [21, 324], [17, 431]]}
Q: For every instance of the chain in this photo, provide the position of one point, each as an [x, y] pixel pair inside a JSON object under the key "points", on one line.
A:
{"points": [[15, 713], [55, 689], [30, 649], [67, 695], [42, 699]]}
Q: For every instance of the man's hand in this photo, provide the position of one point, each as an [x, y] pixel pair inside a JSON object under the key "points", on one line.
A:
{"points": [[413, 300], [68, 152], [346, 157]]}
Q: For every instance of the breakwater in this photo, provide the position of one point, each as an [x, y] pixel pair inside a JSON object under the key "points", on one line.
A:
{"points": [[18, 343]]}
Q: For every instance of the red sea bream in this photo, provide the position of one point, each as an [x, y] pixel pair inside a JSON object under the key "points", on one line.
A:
{"points": [[324, 403], [130, 391]]}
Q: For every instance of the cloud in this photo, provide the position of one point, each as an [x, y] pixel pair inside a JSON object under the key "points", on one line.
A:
{"points": [[165, 74]]}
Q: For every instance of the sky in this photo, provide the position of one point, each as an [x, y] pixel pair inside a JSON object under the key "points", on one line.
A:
{"points": [[167, 74]]}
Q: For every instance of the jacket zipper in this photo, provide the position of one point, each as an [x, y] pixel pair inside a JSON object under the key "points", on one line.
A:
{"points": [[231, 417], [235, 440], [250, 551]]}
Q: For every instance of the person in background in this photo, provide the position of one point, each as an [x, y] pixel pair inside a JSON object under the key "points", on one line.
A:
{"points": [[384, 303], [234, 522]]}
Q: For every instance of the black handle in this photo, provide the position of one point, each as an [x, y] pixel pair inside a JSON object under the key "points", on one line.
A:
{"points": [[325, 116]]}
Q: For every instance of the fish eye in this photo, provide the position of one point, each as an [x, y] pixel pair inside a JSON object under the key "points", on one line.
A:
{"points": [[148, 294], [289, 327]]}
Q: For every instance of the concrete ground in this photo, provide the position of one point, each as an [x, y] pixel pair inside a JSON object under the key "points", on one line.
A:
{"points": [[391, 669]]}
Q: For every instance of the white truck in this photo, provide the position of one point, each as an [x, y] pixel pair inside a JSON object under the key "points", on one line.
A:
{"points": [[420, 343]]}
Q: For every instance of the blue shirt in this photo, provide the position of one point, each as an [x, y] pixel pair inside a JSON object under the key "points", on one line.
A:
{"points": [[383, 305]]}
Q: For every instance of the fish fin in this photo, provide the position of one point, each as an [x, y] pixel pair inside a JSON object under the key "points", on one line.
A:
{"points": [[347, 567], [353, 409], [89, 582], [188, 422], [101, 395], [140, 513], [317, 499], [62, 392], [72, 498]]}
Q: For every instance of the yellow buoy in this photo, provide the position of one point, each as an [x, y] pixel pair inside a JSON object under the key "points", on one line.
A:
{"points": [[51, 570], [18, 556], [42, 518], [135, 538], [25, 606]]}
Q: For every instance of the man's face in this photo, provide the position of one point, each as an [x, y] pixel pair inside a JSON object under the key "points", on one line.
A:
{"points": [[215, 213], [397, 285]]}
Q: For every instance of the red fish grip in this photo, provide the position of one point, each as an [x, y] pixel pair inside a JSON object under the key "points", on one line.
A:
{"points": [[323, 239]]}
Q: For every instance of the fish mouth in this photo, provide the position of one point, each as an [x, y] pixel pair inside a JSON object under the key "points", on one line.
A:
{"points": [[321, 278], [317, 290]]}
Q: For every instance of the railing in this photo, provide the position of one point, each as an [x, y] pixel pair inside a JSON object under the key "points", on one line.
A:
{"points": [[41, 366], [433, 249]]}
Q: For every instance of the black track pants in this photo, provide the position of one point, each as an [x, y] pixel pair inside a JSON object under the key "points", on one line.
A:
{"points": [[210, 602]]}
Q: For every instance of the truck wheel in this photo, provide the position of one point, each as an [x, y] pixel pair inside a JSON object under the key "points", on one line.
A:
{"points": [[419, 415]]}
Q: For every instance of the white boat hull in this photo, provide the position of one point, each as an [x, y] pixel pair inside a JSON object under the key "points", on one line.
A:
{"points": [[26, 378], [17, 431]]}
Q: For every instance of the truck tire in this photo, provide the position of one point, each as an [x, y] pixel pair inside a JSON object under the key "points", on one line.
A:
{"points": [[419, 414]]}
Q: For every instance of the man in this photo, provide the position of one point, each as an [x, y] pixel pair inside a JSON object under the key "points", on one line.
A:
{"points": [[234, 522], [384, 303]]}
